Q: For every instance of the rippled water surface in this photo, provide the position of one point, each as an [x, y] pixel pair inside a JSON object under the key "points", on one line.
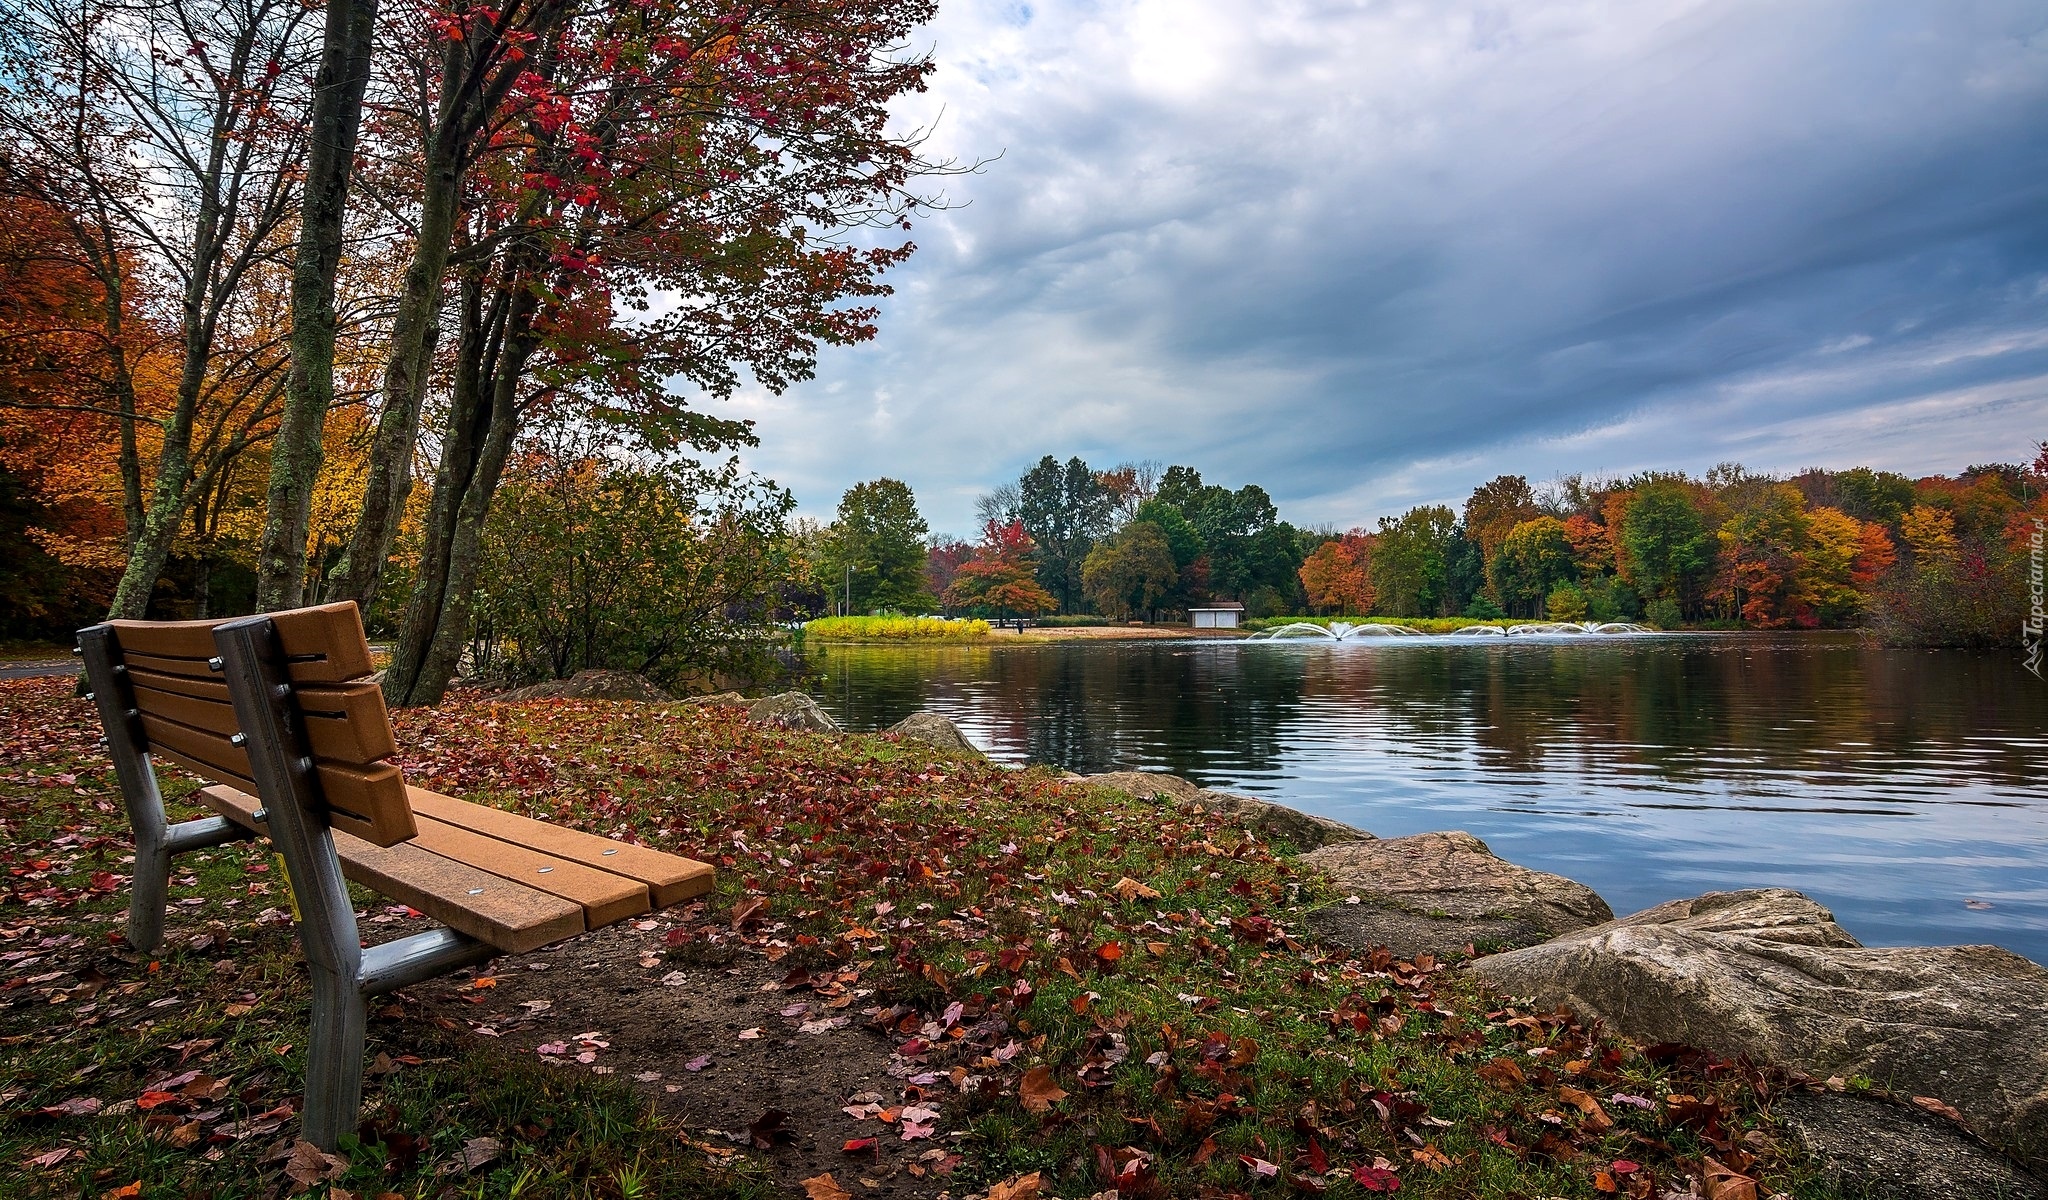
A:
{"points": [[1894, 786]]}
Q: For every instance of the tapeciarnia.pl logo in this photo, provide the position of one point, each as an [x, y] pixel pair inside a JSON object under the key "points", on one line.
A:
{"points": [[2030, 632]]}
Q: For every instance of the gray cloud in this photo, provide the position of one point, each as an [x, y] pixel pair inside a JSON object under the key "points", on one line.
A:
{"points": [[1372, 254]]}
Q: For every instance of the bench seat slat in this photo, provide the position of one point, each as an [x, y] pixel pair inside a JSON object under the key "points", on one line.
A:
{"points": [[347, 722], [208, 688], [670, 878], [343, 724], [368, 801], [507, 915], [324, 644], [606, 898]]}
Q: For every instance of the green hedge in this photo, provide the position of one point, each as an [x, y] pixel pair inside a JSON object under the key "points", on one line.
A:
{"points": [[894, 629]]}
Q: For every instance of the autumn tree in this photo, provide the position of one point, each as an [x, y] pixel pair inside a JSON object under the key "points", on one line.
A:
{"points": [[444, 91], [1337, 575], [943, 558], [1533, 560], [1761, 567], [168, 131], [1130, 572], [1491, 513], [706, 156], [999, 578]]}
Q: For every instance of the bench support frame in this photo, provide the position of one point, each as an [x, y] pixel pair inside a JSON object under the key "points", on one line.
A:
{"points": [[344, 975], [156, 839]]}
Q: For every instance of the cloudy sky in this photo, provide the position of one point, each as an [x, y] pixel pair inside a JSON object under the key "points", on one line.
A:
{"points": [[1372, 254]]}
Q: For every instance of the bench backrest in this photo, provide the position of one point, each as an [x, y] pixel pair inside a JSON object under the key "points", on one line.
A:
{"points": [[169, 678]]}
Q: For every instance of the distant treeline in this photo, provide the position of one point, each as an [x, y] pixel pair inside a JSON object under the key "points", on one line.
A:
{"points": [[1936, 560]]}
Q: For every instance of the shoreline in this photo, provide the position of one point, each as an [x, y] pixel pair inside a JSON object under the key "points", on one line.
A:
{"points": [[1048, 974]]}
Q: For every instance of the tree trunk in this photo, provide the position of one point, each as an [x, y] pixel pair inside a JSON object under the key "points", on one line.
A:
{"points": [[407, 367], [483, 422], [295, 456]]}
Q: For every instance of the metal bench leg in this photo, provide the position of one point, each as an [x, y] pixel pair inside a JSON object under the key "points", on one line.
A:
{"points": [[111, 694], [253, 667], [334, 1060], [149, 893]]}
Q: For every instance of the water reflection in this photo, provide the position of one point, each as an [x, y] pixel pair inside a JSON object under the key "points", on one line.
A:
{"points": [[1892, 785]]}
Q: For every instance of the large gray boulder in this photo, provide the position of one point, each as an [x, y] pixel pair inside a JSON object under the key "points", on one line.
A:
{"points": [[1444, 890], [1271, 821], [1769, 974], [1874, 1150], [590, 685], [791, 710], [933, 730]]}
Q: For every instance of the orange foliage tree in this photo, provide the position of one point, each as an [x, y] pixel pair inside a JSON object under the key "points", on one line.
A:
{"points": [[1337, 575]]}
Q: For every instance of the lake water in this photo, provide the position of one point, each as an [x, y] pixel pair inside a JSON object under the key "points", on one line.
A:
{"points": [[1896, 787]]}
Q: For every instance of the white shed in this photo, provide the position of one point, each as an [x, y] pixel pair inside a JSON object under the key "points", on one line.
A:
{"points": [[1217, 616]]}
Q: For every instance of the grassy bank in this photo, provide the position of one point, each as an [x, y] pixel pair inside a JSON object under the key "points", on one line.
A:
{"points": [[1101, 992], [894, 629]]}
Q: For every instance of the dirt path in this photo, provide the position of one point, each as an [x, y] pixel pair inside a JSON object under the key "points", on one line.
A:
{"points": [[725, 1046]]}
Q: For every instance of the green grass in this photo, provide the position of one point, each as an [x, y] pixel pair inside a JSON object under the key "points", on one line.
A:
{"points": [[11, 651], [894, 629]]}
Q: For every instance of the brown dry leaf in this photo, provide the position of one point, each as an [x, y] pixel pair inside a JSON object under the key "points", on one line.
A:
{"points": [[1130, 889], [1023, 1187], [1433, 1158], [748, 909], [1725, 1184], [824, 1187], [1938, 1108], [185, 1135], [1037, 1091], [1596, 1117], [309, 1164]]}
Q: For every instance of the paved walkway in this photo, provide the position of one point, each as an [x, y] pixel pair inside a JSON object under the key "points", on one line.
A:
{"points": [[32, 668]]}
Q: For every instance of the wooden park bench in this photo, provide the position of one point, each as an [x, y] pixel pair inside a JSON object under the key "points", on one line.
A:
{"points": [[277, 711]]}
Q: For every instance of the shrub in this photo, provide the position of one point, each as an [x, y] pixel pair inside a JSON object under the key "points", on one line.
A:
{"points": [[894, 629], [1483, 608], [1663, 612], [1566, 603], [596, 559], [1075, 621]]}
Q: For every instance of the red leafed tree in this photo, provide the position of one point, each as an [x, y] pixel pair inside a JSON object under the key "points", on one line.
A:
{"points": [[662, 203], [1338, 574], [942, 561], [1001, 576]]}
